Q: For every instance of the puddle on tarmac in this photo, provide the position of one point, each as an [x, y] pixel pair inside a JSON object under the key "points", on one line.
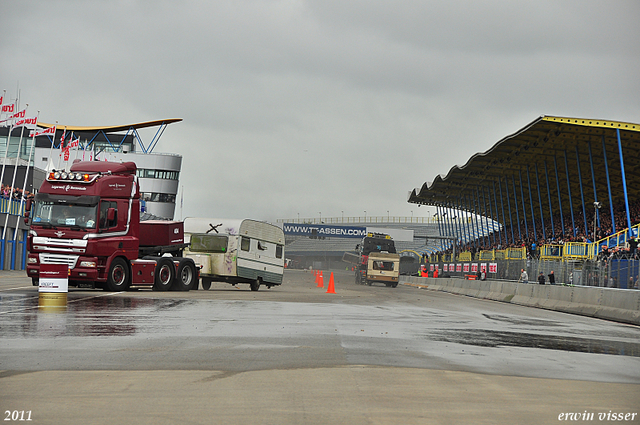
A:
{"points": [[84, 315], [489, 338], [514, 320]]}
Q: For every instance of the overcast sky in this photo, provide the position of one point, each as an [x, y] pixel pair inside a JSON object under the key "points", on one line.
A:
{"points": [[326, 107]]}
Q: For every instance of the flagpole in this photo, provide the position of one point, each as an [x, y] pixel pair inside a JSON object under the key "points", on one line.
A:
{"points": [[53, 142], [76, 146], [6, 217], [4, 162], [24, 186], [13, 182], [64, 135]]}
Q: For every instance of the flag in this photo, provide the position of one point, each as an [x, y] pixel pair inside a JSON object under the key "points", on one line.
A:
{"points": [[26, 122], [8, 109], [64, 134], [20, 114], [46, 132]]}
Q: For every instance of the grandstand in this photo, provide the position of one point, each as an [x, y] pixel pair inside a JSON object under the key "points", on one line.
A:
{"points": [[565, 192]]}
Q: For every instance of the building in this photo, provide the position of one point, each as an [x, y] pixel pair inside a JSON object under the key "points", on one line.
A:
{"points": [[158, 173]]}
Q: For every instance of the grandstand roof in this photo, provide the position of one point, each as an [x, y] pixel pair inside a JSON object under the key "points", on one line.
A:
{"points": [[113, 128], [523, 157]]}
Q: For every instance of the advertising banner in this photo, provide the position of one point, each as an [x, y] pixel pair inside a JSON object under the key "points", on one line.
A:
{"points": [[324, 230], [54, 278]]}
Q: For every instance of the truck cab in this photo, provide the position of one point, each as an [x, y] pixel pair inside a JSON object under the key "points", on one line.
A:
{"points": [[378, 260], [89, 219]]}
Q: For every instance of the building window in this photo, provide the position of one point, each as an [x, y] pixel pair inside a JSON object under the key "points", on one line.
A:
{"points": [[158, 197], [157, 174]]}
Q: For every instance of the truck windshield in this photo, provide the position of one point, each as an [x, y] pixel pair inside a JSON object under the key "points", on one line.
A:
{"points": [[378, 245], [208, 243], [64, 214]]}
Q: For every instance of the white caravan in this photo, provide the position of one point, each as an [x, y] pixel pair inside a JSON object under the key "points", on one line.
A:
{"points": [[236, 251]]}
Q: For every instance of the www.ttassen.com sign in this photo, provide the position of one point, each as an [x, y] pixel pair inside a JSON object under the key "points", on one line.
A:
{"points": [[323, 230]]}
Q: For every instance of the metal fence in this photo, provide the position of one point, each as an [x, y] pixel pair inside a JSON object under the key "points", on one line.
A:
{"points": [[622, 273]]}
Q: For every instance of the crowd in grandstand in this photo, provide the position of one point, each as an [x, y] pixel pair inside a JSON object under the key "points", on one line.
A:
{"points": [[556, 235], [7, 192]]}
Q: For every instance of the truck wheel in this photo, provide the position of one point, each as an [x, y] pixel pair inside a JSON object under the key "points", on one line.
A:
{"points": [[164, 274], [186, 275], [206, 284], [119, 277], [255, 284], [394, 285]]}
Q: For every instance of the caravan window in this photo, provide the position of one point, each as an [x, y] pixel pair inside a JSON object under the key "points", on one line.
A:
{"points": [[278, 251], [245, 243], [209, 243]]}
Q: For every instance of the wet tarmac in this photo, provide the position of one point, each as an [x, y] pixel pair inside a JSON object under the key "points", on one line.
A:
{"points": [[295, 354], [298, 325]]}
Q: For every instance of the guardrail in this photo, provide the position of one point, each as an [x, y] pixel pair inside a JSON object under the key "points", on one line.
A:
{"points": [[11, 206]]}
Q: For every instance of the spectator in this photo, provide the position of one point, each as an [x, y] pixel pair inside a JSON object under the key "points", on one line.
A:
{"points": [[552, 278], [541, 278], [524, 277]]}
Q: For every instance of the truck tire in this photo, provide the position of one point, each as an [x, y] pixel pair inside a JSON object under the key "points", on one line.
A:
{"points": [[186, 275], [165, 274], [119, 277], [255, 284]]}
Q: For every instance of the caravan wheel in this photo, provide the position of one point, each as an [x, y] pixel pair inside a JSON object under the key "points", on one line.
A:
{"points": [[206, 283], [255, 285]]}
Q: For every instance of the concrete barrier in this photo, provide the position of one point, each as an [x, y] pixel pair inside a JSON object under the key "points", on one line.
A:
{"points": [[620, 305]]}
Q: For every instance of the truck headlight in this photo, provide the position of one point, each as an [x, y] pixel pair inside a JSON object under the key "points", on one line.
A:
{"points": [[32, 260], [87, 263]]}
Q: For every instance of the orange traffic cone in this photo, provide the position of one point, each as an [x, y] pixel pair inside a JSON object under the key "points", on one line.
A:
{"points": [[320, 280], [331, 289]]}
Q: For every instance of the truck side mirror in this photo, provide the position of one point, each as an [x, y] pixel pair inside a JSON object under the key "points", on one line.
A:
{"points": [[27, 206], [26, 216]]}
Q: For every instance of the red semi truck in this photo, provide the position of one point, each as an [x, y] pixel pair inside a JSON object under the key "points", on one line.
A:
{"points": [[89, 219]]}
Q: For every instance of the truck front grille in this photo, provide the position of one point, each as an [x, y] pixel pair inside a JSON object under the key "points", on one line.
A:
{"points": [[69, 260]]}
